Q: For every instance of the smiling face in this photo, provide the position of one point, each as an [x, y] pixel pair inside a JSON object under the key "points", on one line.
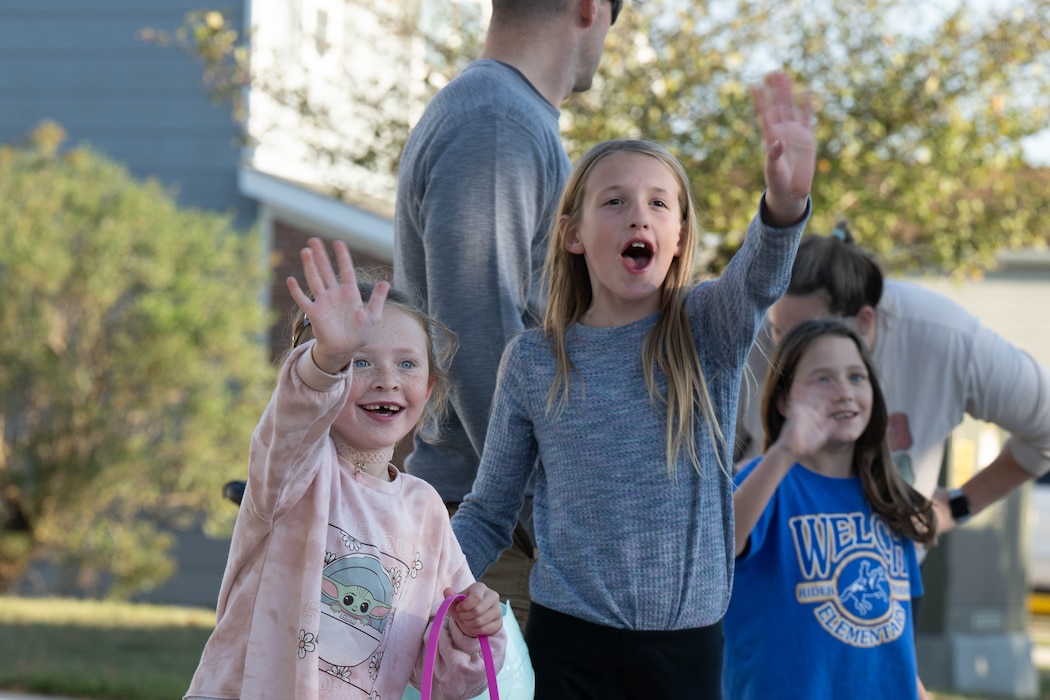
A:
{"points": [[832, 378], [390, 384], [629, 233]]}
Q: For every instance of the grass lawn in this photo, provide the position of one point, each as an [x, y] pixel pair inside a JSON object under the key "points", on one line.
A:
{"points": [[92, 649], [122, 651]]}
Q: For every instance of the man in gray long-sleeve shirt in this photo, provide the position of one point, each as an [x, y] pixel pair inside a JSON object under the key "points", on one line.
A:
{"points": [[479, 178]]}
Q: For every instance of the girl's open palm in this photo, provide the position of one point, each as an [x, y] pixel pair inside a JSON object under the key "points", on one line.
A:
{"points": [[806, 430], [787, 131], [341, 321]]}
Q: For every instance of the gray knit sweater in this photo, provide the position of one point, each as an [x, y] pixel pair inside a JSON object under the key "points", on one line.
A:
{"points": [[479, 179], [622, 543]]}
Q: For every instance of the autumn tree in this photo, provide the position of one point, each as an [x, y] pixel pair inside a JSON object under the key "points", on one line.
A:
{"points": [[921, 113], [920, 116], [133, 366]]}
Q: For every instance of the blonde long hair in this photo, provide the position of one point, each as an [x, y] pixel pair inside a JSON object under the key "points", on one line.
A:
{"points": [[669, 345]]}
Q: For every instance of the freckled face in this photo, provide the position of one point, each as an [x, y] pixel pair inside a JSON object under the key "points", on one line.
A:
{"points": [[390, 384], [629, 234]]}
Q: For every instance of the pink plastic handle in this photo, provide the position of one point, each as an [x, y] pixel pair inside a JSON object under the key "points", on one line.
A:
{"points": [[426, 687]]}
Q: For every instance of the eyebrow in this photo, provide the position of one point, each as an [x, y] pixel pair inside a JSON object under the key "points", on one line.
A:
{"points": [[397, 350], [657, 190], [848, 368], [409, 351]]}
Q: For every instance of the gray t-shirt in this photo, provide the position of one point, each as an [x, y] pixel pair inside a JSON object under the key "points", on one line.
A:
{"points": [[479, 180]]}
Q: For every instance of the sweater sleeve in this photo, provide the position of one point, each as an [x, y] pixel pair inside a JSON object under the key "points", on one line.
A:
{"points": [[485, 520], [459, 668], [294, 427], [1007, 387], [757, 275]]}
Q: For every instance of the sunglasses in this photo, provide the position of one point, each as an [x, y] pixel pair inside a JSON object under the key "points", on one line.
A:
{"points": [[617, 5]]}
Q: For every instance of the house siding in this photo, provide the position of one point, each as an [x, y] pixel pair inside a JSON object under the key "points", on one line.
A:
{"points": [[84, 66]]}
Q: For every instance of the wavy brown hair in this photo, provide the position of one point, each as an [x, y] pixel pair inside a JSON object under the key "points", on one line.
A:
{"points": [[905, 510]]}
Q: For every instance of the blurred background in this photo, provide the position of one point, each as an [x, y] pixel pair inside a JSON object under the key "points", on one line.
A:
{"points": [[162, 163]]}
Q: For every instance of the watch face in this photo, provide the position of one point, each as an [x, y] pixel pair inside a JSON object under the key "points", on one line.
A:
{"points": [[960, 506]]}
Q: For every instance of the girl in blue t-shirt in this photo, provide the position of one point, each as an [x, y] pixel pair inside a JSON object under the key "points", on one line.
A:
{"points": [[825, 533]]}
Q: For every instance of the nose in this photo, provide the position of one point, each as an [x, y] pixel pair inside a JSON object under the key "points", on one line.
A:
{"points": [[385, 377], [639, 217], [843, 391]]}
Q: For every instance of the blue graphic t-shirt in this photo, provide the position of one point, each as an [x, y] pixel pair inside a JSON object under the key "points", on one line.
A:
{"points": [[821, 604]]}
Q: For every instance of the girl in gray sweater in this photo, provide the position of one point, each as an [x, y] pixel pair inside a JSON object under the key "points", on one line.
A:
{"points": [[624, 403]]}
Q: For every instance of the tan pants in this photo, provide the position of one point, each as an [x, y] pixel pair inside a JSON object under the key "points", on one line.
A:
{"points": [[509, 575]]}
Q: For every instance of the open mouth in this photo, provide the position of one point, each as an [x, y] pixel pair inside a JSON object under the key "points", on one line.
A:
{"points": [[382, 409], [637, 255]]}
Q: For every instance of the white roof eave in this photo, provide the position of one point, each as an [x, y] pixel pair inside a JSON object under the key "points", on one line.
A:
{"points": [[304, 208]]}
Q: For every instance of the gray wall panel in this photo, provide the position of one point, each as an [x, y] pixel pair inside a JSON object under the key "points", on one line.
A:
{"points": [[84, 66]]}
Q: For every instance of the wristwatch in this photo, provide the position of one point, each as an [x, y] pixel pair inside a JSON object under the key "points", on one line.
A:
{"points": [[959, 505]]}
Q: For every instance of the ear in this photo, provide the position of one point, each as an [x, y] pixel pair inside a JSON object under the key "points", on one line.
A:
{"points": [[865, 324], [569, 236], [782, 405], [681, 240], [589, 11], [430, 387]]}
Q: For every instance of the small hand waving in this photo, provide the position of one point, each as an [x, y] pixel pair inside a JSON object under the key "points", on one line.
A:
{"points": [[341, 321], [787, 132], [807, 428]]}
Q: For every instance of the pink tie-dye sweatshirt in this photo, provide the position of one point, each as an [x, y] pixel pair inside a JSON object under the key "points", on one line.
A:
{"points": [[332, 578]]}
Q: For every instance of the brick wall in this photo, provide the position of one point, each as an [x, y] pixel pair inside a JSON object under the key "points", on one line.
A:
{"points": [[288, 240]]}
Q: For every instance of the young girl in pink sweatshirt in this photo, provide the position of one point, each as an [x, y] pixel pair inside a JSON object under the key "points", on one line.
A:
{"points": [[338, 560]]}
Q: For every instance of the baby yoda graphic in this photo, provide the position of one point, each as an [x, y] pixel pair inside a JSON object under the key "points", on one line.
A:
{"points": [[356, 601], [357, 596]]}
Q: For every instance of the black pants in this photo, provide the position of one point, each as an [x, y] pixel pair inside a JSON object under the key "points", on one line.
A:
{"points": [[578, 660]]}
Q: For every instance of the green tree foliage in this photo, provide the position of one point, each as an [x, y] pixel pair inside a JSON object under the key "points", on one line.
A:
{"points": [[920, 114], [132, 366]]}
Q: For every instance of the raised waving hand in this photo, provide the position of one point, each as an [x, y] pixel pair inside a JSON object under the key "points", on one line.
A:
{"points": [[342, 322], [786, 121]]}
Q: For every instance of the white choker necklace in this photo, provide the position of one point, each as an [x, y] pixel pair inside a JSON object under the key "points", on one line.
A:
{"points": [[362, 459]]}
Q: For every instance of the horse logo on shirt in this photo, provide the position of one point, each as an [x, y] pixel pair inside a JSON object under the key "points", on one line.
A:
{"points": [[869, 583], [853, 569]]}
